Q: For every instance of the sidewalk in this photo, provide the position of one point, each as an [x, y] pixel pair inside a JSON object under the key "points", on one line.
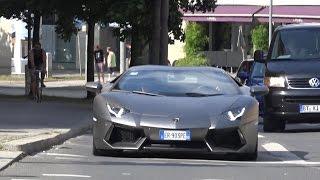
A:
{"points": [[27, 127], [75, 89], [66, 89]]}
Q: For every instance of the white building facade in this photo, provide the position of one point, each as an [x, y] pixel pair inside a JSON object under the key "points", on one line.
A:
{"points": [[13, 46]]}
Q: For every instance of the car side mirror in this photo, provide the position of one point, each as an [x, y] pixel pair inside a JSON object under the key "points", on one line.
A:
{"points": [[259, 56], [243, 76], [238, 80], [259, 90]]}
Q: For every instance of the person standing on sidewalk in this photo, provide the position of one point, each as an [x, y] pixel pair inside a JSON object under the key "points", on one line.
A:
{"points": [[37, 61], [100, 63], [111, 62]]}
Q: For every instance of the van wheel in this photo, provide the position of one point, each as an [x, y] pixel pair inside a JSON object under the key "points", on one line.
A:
{"points": [[273, 125]]}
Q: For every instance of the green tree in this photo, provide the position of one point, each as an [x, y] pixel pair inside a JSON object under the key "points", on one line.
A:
{"points": [[194, 60], [134, 17], [138, 13], [196, 39], [260, 38]]}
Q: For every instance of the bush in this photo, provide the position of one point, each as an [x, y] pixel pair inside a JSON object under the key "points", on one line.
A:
{"points": [[194, 60], [260, 38], [196, 39]]}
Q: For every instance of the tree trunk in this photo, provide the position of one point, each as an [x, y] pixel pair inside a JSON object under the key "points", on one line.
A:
{"points": [[154, 55], [36, 27], [136, 47], [90, 52], [164, 32], [29, 27], [90, 55]]}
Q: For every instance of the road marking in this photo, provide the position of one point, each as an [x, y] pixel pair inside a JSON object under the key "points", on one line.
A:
{"points": [[66, 175], [126, 174], [226, 163], [198, 163], [283, 154], [65, 155], [67, 158]]}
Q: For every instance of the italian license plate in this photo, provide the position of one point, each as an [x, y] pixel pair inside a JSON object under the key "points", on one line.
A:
{"points": [[309, 108], [175, 135]]}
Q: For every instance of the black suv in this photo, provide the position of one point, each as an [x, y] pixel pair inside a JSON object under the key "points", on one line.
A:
{"points": [[293, 76]]}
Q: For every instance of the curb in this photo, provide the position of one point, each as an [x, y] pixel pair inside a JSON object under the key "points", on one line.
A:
{"points": [[16, 159], [46, 141], [48, 98], [42, 144]]}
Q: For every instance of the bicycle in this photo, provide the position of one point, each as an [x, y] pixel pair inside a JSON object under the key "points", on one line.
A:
{"points": [[38, 93]]}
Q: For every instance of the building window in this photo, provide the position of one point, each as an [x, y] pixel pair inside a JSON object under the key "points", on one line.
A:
{"points": [[66, 51]]}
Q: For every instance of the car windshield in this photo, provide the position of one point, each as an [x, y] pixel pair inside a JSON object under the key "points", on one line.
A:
{"points": [[258, 70], [177, 83], [297, 44], [245, 66]]}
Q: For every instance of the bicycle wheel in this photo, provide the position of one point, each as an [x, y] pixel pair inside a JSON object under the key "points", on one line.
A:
{"points": [[38, 88], [40, 95]]}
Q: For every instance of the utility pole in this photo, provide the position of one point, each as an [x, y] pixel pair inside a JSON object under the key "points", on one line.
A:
{"points": [[270, 20], [123, 64]]}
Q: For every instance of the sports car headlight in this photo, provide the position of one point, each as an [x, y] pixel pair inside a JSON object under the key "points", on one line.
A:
{"points": [[274, 81], [117, 112], [235, 113]]}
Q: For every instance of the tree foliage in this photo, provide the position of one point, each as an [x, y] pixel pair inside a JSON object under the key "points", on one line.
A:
{"points": [[133, 16], [196, 39], [194, 60], [260, 37]]}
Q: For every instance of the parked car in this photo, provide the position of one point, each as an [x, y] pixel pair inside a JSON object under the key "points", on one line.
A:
{"points": [[244, 69], [251, 74], [256, 78], [171, 109], [292, 75]]}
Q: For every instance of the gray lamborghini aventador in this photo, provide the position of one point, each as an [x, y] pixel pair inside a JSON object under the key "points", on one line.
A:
{"points": [[171, 109]]}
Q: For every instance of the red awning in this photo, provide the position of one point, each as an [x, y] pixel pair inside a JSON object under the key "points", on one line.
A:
{"points": [[290, 14], [225, 13]]}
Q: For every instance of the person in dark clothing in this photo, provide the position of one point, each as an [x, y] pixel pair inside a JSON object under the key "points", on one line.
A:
{"points": [[100, 63], [37, 61]]}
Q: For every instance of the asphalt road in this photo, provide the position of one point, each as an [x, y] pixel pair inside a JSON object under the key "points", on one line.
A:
{"points": [[22, 113], [292, 155]]}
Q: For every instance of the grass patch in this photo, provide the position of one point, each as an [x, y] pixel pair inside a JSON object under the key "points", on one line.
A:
{"points": [[11, 77], [71, 78], [1, 147], [50, 79]]}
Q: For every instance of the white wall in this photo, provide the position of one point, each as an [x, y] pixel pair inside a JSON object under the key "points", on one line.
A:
{"points": [[6, 27], [175, 51], [10, 59], [267, 2]]}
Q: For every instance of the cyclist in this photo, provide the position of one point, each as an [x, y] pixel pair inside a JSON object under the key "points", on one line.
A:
{"points": [[37, 61]]}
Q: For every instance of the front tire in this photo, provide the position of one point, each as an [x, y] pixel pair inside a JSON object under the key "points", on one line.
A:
{"points": [[251, 156], [273, 125], [97, 152]]}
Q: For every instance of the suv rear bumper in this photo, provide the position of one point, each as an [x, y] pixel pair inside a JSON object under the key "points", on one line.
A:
{"points": [[285, 104]]}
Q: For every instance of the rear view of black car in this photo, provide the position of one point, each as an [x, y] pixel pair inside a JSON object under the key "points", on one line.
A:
{"points": [[293, 76]]}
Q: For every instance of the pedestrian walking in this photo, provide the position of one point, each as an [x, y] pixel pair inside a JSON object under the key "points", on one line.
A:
{"points": [[100, 63], [111, 61]]}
